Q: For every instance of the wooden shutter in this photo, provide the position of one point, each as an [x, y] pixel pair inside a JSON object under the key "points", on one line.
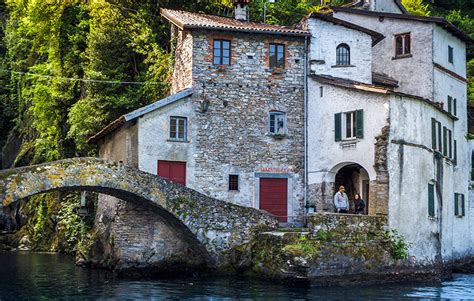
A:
{"points": [[450, 104], [450, 140], [338, 126], [456, 204], [445, 141], [433, 133], [440, 144], [455, 107], [431, 207], [455, 152], [360, 124], [463, 204]]}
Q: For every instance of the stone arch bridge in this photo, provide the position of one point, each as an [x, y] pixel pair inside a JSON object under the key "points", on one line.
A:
{"points": [[212, 227]]}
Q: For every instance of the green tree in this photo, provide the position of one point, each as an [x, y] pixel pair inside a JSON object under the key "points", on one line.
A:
{"points": [[416, 7]]}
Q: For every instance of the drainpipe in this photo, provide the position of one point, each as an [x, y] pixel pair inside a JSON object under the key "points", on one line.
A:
{"points": [[305, 128]]}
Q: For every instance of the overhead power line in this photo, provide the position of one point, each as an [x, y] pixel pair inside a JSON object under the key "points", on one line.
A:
{"points": [[86, 80]]}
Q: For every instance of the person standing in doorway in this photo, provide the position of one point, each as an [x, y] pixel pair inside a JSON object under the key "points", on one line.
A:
{"points": [[359, 204], [341, 201]]}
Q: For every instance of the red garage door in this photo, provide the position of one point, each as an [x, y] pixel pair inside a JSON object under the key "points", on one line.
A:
{"points": [[173, 171], [274, 197]]}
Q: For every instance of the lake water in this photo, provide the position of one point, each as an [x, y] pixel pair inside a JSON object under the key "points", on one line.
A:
{"points": [[32, 276]]}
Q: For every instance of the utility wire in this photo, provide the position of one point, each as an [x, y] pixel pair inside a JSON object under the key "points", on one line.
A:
{"points": [[83, 79]]}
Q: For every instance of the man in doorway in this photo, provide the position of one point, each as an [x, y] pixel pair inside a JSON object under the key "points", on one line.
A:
{"points": [[341, 201]]}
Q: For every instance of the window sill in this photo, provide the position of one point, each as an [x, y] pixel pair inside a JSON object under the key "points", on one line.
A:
{"points": [[433, 218], [277, 136], [179, 141], [277, 70], [348, 143], [403, 56], [342, 66]]}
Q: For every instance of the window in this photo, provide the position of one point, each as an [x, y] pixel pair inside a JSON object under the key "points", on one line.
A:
{"points": [[452, 105], [431, 200], [277, 56], [221, 52], [233, 182], [450, 54], [178, 127], [459, 205], [455, 159], [277, 123], [402, 44], [445, 141], [450, 144], [343, 55], [349, 125]]}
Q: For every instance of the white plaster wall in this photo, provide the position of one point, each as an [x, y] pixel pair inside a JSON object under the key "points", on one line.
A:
{"points": [[411, 168], [324, 153], [153, 139], [441, 40], [415, 74], [326, 37], [388, 6]]}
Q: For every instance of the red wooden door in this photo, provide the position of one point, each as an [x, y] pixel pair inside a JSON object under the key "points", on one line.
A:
{"points": [[274, 197], [173, 171]]}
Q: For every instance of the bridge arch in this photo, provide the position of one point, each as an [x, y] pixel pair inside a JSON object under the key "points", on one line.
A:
{"points": [[216, 225]]}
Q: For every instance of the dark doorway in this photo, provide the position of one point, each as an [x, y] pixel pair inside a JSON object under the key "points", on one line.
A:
{"points": [[356, 180]]}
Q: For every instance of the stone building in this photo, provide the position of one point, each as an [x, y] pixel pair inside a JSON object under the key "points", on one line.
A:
{"points": [[390, 89], [233, 127], [365, 96]]}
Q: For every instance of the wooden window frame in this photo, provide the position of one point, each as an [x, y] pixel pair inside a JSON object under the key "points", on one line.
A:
{"points": [[221, 49], [343, 56], [404, 53], [234, 182], [274, 63], [174, 121]]}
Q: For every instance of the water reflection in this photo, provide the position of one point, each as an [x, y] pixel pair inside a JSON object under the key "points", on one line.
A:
{"points": [[28, 276]]}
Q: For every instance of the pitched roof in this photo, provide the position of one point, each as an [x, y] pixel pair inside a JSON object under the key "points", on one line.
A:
{"points": [[360, 3], [138, 113], [376, 37], [384, 80], [350, 84], [436, 20], [190, 20]]}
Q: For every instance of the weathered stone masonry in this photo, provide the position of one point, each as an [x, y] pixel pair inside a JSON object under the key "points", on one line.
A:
{"points": [[234, 131]]}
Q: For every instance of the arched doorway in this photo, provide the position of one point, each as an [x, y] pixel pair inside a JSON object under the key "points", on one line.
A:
{"points": [[355, 179]]}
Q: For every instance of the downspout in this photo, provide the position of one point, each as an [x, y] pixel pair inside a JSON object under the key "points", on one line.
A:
{"points": [[305, 129]]}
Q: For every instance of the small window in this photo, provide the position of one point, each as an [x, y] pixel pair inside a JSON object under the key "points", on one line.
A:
{"points": [[459, 205], [402, 44], [233, 182], [277, 123], [450, 54], [445, 141], [277, 56], [450, 104], [221, 52], [431, 200], [178, 127], [349, 125], [343, 55]]}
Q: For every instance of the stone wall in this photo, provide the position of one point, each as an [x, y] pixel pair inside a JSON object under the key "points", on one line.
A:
{"points": [[234, 133], [182, 42]]}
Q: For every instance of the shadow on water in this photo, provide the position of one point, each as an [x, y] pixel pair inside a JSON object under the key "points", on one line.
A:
{"points": [[36, 276]]}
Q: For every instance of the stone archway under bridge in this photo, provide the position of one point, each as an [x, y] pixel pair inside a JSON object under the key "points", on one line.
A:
{"points": [[209, 228]]}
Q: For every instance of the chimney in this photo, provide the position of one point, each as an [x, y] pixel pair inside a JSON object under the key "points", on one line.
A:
{"points": [[241, 9]]}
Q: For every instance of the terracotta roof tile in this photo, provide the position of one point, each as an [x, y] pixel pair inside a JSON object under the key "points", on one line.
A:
{"points": [[190, 20]]}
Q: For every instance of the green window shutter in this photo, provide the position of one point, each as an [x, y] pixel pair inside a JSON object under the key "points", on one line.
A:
{"points": [[455, 152], [433, 133], [456, 205], [450, 101], [338, 126], [463, 213], [450, 140], [455, 105], [445, 141], [360, 124], [431, 208], [440, 144]]}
